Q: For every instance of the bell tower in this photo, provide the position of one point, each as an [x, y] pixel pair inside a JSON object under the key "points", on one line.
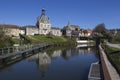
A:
{"points": [[43, 11]]}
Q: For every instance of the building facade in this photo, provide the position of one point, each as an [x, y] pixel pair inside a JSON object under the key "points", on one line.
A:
{"points": [[56, 31], [10, 30], [43, 24], [43, 27], [85, 33], [30, 30], [71, 30]]}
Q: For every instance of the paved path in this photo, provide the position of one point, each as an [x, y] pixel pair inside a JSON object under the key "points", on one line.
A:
{"points": [[113, 45]]}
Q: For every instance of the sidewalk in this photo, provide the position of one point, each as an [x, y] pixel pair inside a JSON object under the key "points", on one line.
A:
{"points": [[113, 45]]}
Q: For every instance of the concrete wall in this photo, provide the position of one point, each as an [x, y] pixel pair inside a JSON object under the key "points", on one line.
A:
{"points": [[104, 66], [109, 71]]}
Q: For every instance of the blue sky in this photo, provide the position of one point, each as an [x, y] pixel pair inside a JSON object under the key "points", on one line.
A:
{"points": [[85, 13]]}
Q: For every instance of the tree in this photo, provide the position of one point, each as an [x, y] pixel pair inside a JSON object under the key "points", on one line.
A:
{"points": [[116, 38], [100, 28], [5, 40], [101, 31]]}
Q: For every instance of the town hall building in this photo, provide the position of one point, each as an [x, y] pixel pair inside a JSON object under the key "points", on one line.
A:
{"points": [[43, 27], [43, 23]]}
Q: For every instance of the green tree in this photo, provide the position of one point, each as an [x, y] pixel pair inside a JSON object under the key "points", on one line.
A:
{"points": [[5, 40], [100, 28], [116, 38], [101, 32]]}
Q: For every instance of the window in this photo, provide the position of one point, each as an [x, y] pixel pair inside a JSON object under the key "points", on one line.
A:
{"points": [[41, 26], [44, 26], [47, 26], [42, 31]]}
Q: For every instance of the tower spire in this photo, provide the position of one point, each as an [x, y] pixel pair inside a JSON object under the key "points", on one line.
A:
{"points": [[43, 11], [68, 23]]}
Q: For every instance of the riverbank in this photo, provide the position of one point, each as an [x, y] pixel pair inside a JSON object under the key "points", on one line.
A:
{"points": [[55, 40], [37, 39]]}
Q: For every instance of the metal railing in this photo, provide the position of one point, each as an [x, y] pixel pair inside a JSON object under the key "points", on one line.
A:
{"points": [[13, 49]]}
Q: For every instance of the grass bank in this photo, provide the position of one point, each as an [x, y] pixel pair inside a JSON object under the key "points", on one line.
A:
{"points": [[37, 39], [57, 40]]}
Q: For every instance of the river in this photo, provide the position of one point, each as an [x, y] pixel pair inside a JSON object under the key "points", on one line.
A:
{"points": [[52, 64]]}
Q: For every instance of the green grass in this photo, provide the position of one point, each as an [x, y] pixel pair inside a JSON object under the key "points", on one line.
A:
{"points": [[16, 41], [47, 39], [114, 49], [116, 38], [57, 40]]}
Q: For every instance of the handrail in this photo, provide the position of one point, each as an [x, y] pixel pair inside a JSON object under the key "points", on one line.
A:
{"points": [[13, 49], [108, 70]]}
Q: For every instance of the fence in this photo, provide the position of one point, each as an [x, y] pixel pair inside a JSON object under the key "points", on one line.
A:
{"points": [[10, 50]]}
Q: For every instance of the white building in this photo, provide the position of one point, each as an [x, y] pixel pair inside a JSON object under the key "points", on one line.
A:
{"points": [[10, 30], [43, 26], [43, 23], [56, 31], [31, 30], [21, 31]]}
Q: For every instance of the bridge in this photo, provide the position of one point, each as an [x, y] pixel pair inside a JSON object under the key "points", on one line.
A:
{"points": [[8, 55], [84, 40], [109, 72]]}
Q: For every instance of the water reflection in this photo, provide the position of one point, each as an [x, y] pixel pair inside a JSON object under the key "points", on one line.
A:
{"points": [[59, 64], [56, 53], [85, 50], [43, 59]]}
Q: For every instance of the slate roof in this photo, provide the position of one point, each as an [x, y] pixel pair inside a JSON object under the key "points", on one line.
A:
{"points": [[43, 18], [55, 28], [75, 26]]}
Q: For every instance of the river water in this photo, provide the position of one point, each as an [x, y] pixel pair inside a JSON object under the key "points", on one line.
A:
{"points": [[52, 64]]}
